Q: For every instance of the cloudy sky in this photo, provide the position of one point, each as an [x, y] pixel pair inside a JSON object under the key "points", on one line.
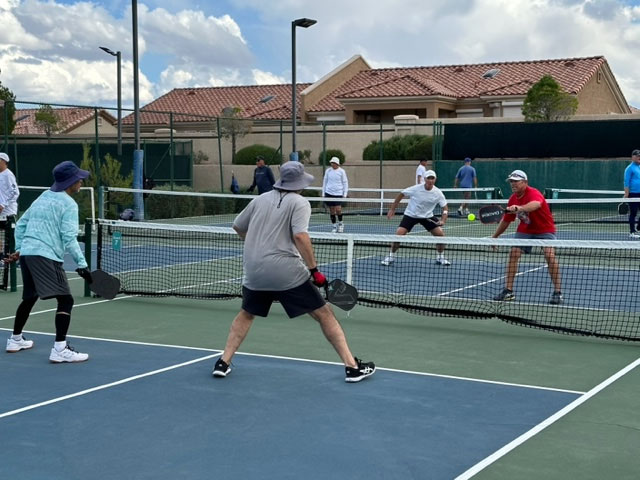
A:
{"points": [[49, 48]]}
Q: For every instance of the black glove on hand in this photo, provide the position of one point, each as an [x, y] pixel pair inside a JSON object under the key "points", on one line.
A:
{"points": [[85, 273], [318, 279]]}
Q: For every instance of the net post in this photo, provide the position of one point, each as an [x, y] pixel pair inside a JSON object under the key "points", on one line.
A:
{"points": [[100, 201], [349, 258], [13, 277], [87, 251]]}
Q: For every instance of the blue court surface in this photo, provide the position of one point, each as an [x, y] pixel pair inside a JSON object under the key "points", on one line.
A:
{"points": [[142, 411]]}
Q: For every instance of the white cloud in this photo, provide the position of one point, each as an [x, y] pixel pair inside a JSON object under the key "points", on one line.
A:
{"points": [[48, 50]]}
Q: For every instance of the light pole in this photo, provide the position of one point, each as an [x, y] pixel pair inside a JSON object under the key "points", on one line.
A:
{"points": [[119, 59], [304, 23]]}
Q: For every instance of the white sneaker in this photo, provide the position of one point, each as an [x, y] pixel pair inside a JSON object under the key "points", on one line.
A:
{"points": [[466, 211], [460, 212], [14, 346], [340, 227], [67, 355], [635, 235], [443, 261], [388, 260], [335, 228]]}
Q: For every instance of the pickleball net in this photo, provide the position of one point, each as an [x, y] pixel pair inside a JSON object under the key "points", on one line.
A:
{"points": [[599, 278], [576, 218]]}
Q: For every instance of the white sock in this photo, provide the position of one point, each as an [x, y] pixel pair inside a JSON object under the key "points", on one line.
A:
{"points": [[59, 346], [17, 338], [440, 254]]}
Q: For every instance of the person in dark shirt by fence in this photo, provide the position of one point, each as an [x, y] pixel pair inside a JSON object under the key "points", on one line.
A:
{"points": [[262, 177]]}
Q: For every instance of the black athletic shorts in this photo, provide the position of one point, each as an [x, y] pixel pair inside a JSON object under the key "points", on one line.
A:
{"points": [[408, 223], [297, 301], [42, 277], [333, 204]]}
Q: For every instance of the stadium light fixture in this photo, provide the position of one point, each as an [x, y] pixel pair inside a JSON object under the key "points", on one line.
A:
{"points": [[119, 60], [304, 23]]}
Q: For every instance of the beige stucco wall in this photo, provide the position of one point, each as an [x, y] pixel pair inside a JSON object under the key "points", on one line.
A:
{"points": [[597, 97], [364, 175], [88, 128], [328, 84]]}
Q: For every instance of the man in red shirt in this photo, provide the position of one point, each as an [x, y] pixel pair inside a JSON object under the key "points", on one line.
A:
{"points": [[529, 206]]}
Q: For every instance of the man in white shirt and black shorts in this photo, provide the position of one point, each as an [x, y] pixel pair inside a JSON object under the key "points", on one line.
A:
{"points": [[422, 201]]}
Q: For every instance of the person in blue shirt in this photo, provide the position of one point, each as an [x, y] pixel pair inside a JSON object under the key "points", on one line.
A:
{"points": [[632, 190], [466, 178], [262, 177], [47, 230]]}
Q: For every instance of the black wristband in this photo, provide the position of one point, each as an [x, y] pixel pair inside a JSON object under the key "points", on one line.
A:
{"points": [[313, 270]]}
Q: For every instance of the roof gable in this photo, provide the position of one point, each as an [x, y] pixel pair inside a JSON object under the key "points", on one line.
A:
{"points": [[256, 101], [462, 81], [70, 119]]}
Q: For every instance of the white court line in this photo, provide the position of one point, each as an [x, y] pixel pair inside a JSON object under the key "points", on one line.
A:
{"points": [[307, 360], [423, 374], [549, 421], [105, 386]]}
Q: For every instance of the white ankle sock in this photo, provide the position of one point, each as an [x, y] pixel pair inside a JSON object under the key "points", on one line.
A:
{"points": [[16, 337], [59, 346]]}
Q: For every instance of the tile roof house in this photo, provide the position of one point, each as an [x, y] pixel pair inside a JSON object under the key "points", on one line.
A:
{"points": [[72, 121], [355, 93]]}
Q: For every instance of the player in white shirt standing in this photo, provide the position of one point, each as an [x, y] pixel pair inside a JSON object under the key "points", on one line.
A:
{"points": [[335, 185], [9, 191], [420, 171], [422, 200]]}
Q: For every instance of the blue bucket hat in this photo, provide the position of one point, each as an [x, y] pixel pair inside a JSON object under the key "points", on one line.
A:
{"points": [[66, 174]]}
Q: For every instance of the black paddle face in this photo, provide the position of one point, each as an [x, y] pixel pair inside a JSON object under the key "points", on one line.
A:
{"points": [[623, 209], [341, 294], [491, 214], [104, 285]]}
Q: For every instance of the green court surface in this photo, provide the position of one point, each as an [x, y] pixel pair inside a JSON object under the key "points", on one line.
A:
{"points": [[598, 439]]}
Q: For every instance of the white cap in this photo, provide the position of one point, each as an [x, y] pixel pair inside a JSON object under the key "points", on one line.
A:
{"points": [[335, 160], [517, 175], [430, 173], [4, 156]]}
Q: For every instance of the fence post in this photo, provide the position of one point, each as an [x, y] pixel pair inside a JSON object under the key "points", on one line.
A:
{"points": [[171, 159], [95, 122], [220, 155], [381, 152]]}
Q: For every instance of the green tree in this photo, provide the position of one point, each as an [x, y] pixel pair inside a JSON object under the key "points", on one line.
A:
{"points": [[111, 176], [48, 120], [547, 102], [7, 101], [233, 126]]}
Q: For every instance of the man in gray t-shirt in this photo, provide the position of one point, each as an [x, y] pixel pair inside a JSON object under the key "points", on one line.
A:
{"points": [[279, 265]]}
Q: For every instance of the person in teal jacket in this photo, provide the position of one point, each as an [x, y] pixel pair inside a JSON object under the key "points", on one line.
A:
{"points": [[47, 230]]}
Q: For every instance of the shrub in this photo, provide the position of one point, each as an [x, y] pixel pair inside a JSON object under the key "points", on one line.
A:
{"points": [[419, 147], [171, 206], [247, 155], [405, 147], [328, 154]]}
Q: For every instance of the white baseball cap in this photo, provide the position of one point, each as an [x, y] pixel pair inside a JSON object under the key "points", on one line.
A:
{"points": [[335, 160], [517, 175], [430, 173], [4, 156]]}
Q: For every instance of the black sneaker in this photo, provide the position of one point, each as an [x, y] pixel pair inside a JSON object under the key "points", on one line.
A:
{"points": [[556, 298], [221, 369], [362, 371], [505, 296]]}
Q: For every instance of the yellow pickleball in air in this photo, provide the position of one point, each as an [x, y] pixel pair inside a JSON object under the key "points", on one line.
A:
{"points": [[471, 217]]}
